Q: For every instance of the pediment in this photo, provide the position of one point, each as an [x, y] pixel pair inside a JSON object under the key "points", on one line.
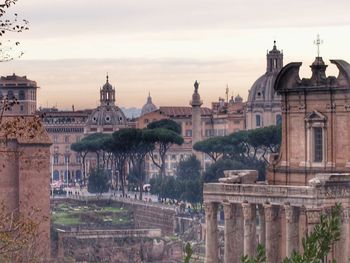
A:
{"points": [[315, 116]]}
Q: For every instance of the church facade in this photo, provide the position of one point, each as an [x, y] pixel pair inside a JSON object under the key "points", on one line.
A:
{"points": [[307, 178]]}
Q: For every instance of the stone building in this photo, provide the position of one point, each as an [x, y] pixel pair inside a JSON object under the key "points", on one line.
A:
{"points": [[309, 176], [222, 119], [21, 88], [264, 104], [65, 128]]}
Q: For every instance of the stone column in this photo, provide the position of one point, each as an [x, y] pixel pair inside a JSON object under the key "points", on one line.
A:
{"points": [[249, 226], [229, 233], [343, 254], [272, 233], [292, 230], [262, 225], [211, 238]]}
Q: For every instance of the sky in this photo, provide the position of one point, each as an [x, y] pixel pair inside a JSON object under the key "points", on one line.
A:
{"points": [[163, 46]]}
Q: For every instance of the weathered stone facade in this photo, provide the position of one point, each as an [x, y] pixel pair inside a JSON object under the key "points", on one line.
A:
{"points": [[315, 131], [25, 172], [308, 177]]}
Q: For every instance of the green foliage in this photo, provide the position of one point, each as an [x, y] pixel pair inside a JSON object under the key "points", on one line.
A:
{"points": [[188, 252], [316, 246], [187, 186], [165, 187], [260, 258], [166, 124], [189, 168], [98, 181], [213, 147], [163, 139]]}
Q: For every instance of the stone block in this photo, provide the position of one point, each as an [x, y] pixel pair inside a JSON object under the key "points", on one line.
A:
{"points": [[239, 177]]}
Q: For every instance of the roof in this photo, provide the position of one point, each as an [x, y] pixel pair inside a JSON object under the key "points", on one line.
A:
{"points": [[182, 111], [66, 113], [16, 81]]}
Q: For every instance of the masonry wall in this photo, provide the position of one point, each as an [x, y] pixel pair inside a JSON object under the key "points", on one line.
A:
{"points": [[25, 175], [147, 216]]}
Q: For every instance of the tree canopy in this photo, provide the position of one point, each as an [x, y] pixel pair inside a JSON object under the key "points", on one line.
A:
{"points": [[98, 181], [166, 124], [163, 140]]}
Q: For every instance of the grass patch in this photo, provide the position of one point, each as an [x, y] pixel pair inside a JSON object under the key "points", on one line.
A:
{"points": [[70, 214], [66, 219]]}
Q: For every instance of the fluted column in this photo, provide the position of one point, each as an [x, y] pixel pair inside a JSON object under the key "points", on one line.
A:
{"points": [[229, 233], [249, 226], [292, 230], [211, 239], [272, 232]]}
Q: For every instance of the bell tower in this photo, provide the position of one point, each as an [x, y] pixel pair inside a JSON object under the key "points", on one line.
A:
{"points": [[274, 59], [107, 94]]}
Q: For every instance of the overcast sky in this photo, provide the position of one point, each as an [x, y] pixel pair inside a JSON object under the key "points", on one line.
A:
{"points": [[163, 46]]}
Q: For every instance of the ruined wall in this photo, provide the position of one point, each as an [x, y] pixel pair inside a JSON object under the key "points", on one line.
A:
{"points": [[129, 246], [25, 173], [146, 216]]}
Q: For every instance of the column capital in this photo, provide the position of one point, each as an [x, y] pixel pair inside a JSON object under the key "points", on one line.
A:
{"points": [[228, 211], [290, 213], [345, 215], [313, 215], [210, 209], [247, 211], [270, 212]]}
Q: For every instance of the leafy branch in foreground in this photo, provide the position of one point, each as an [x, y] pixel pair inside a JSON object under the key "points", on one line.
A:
{"points": [[316, 246], [8, 49], [19, 235]]}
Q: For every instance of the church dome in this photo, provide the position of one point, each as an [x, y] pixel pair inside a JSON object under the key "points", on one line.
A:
{"points": [[263, 89], [107, 114], [262, 92], [149, 106], [238, 98]]}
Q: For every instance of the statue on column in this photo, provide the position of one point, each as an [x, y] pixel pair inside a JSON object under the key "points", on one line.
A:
{"points": [[196, 85]]}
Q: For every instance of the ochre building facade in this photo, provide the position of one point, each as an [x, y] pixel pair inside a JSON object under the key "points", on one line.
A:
{"points": [[306, 179]]}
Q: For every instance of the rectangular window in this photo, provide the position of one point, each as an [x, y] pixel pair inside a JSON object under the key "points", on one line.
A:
{"points": [[55, 159], [66, 159], [318, 144], [66, 139], [188, 133], [257, 120]]}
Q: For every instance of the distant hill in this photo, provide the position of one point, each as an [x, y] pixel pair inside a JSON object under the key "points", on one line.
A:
{"points": [[131, 112]]}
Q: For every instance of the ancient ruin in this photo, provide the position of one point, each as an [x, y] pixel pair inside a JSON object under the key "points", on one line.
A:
{"points": [[309, 176]]}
